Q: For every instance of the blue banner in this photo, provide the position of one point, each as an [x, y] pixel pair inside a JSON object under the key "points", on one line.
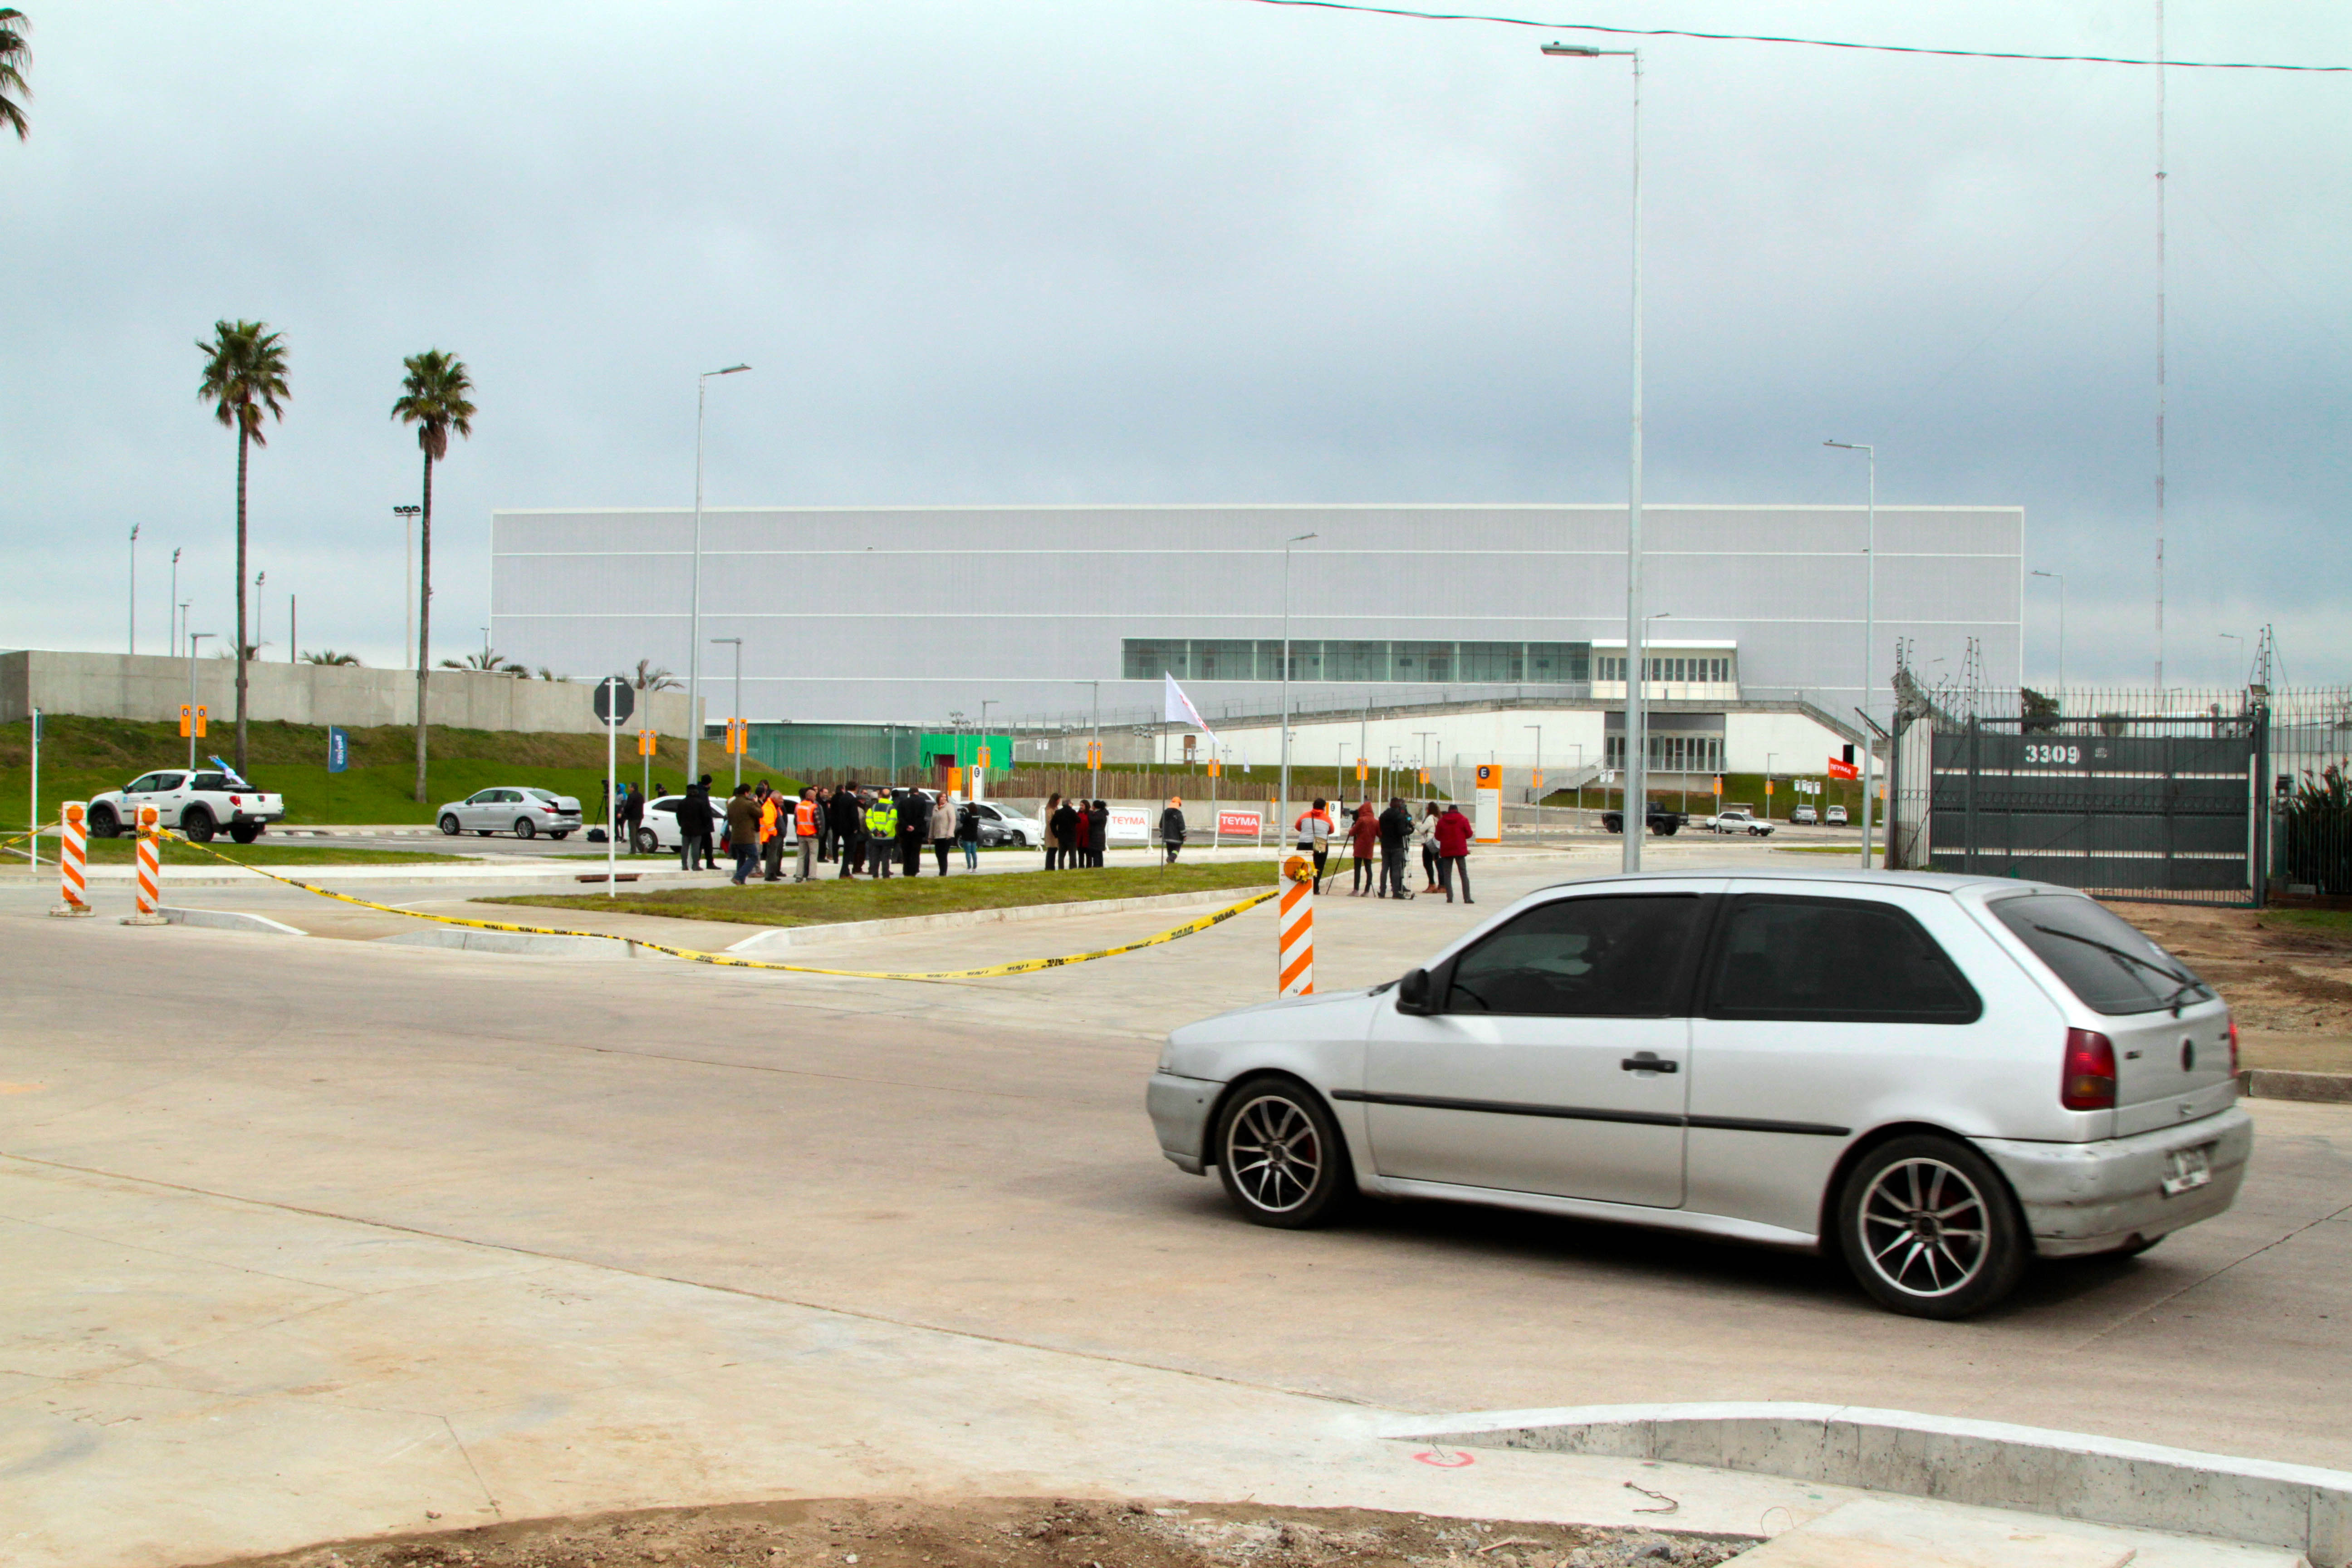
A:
{"points": [[339, 749]]}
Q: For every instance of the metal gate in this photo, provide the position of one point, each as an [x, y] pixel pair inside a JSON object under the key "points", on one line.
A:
{"points": [[2150, 806]]}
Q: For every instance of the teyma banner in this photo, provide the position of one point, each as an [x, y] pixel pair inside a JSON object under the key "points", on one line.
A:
{"points": [[339, 749]]}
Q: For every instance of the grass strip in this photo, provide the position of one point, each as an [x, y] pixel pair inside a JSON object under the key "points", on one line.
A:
{"points": [[828, 901], [2309, 919]]}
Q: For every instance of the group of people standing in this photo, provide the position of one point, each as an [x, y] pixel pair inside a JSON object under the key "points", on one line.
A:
{"points": [[858, 826], [1441, 833]]}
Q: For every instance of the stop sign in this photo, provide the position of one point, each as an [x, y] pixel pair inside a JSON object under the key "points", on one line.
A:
{"points": [[615, 699]]}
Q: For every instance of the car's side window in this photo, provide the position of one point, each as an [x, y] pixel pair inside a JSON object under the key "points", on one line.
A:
{"points": [[146, 783], [212, 781], [1784, 956], [1582, 958]]}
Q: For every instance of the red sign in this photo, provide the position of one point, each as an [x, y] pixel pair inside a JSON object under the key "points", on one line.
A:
{"points": [[1238, 824], [1838, 770]]}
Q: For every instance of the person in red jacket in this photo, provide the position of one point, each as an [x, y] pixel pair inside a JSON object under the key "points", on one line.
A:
{"points": [[1454, 853], [1363, 843]]}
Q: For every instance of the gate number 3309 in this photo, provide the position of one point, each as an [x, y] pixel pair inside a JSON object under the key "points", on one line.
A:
{"points": [[2067, 754]]}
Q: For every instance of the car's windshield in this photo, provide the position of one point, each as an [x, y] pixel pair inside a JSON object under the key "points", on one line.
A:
{"points": [[2102, 959]]}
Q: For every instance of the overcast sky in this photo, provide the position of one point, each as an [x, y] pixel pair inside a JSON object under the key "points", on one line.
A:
{"points": [[1195, 250]]}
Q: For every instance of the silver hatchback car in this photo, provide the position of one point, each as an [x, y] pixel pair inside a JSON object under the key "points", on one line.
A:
{"points": [[1936, 1078]]}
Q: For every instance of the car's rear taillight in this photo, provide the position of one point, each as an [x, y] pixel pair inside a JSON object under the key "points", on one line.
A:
{"points": [[2089, 1081], [236, 800], [2234, 1048]]}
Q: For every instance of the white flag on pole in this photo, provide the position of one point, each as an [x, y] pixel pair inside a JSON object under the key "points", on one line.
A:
{"points": [[1177, 709]]}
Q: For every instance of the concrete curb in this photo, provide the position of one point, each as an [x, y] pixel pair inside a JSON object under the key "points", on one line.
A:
{"points": [[229, 920], [532, 944], [852, 931], [2276, 1083], [2069, 1475]]}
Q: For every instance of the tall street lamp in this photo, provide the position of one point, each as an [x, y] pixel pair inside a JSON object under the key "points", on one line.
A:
{"points": [[1869, 635], [1283, 809], [1636, 728], [133, 647], [694, 619], [736, 711], [407, 515], [2234, 637], [172, 604], [2060, 578]]}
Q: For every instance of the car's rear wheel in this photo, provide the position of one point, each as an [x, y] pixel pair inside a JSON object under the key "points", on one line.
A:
{"points": [[244, 832], [104, 823], [449, 824], [1929, 1228], [198, 824], [524, 827], [1280, 1155], [560, 834]]}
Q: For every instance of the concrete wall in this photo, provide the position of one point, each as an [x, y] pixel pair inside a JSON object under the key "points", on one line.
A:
{"points": [[117, 686]]}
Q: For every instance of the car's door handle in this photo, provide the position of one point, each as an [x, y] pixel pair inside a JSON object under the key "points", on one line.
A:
{"points": [[1645, 1062]]}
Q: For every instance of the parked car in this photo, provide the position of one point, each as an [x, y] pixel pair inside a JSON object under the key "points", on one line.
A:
{"points": [[1000, 823], [1663, 823], [1740, 819], [518, 809], [1803, 817], [198, 802], [1935, 1079], [1835, 816]]}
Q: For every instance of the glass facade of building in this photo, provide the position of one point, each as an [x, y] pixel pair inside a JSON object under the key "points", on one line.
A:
{"points": [[1460, 663], [1671, 754], [1675, 668]]}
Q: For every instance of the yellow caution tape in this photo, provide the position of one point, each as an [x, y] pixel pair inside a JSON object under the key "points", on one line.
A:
{"points": [[24, 838], [1023, 966]]}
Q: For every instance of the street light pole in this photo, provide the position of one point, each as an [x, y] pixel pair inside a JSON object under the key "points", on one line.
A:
{"points": [[2060, 578], [737, 711], [1283, 809], [1869, 636], [172, 605], [1536, 786], [193, 639], [694, 617], [407, 515], [1637, 814], [133, 647], [2239, 640]]}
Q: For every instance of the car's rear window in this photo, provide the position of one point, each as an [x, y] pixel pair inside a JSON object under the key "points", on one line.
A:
{"points": [[2104, 960]]}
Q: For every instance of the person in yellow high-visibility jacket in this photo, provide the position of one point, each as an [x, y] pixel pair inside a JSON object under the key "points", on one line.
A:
{"points": [[772, 837], [881, 835]]}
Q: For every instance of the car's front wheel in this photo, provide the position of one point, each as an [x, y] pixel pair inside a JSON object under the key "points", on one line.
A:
{"points": [[449, 824], [1280, 1155], [1929, 1228], [648, 843]]}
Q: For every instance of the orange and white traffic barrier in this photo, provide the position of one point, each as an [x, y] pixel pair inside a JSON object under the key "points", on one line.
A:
{"points": [[150, 870], [73, 887], [1295, 943]]}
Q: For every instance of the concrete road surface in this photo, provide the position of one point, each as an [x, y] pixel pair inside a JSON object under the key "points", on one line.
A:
{"points": [[209, 1140]]}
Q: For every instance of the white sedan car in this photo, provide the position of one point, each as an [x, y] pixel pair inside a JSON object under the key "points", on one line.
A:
{"points": [[1935, 1079]]}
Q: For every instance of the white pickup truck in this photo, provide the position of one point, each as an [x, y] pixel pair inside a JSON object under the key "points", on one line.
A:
{"points": [[199, 802], [1740, 819]]}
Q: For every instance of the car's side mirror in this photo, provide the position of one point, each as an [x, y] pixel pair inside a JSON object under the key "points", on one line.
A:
{"points": [[1412, 992]]}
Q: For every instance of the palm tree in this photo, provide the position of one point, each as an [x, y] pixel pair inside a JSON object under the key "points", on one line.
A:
{"points": [[328, 656], [245, 376], [494, 663], [652, 677], [435, 398], [14, 57]]}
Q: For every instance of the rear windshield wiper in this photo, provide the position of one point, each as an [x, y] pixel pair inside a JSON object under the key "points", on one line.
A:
{"points": [[2186, 983]]}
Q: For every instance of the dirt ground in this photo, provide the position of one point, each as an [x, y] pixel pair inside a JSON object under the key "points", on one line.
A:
{"points": [[1018, 1532], [2278, 978]]}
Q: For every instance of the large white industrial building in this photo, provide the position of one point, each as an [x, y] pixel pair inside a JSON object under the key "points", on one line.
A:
{"points": [[912, 615]]}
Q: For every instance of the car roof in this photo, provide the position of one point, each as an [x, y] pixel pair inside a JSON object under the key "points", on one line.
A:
{"points": [[1829, 877]]}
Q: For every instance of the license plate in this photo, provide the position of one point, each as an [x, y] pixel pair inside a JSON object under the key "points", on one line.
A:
{"points": [[2187, 1168]]}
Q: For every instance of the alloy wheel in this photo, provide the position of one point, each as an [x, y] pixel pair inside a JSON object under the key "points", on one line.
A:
{"points": [[1274, 1152], [1925, 1228]]}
